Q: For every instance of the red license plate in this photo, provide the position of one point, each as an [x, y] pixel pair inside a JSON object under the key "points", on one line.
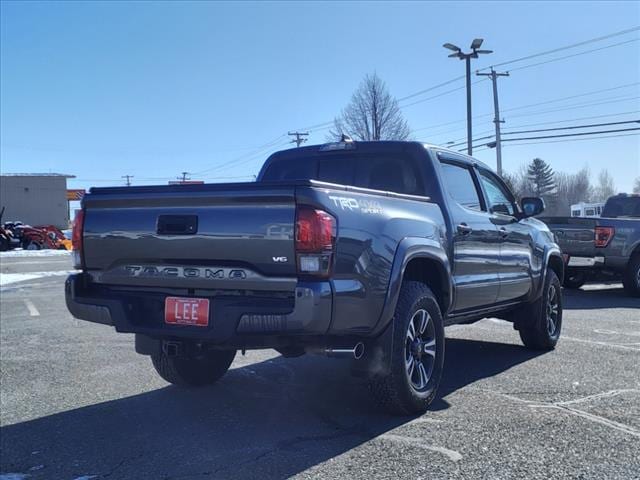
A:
{"points": [[186, 311]]}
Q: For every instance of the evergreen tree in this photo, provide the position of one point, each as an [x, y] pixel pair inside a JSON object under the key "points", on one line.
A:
{"points": [[541, 177]]}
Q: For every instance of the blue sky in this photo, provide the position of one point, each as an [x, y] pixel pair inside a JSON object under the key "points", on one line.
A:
{"points": [[101, 90]]}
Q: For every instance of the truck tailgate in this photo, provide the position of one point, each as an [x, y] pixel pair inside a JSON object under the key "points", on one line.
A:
{"points": [[575, 235], [192, 236]]}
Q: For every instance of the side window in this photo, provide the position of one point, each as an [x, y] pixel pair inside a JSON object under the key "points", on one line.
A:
{"points": [[459, 183], [497, 196]]}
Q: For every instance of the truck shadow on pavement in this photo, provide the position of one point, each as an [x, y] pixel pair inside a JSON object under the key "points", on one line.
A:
{"points": [[273, 419], [612, 297]]}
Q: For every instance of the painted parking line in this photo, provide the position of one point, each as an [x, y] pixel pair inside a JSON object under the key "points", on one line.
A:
{"points": [[602, 344], [33, 311], [567, 407]]}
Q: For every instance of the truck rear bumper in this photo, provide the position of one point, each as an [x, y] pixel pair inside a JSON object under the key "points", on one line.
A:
{"points": [[595, 263], [233, 315], [585, 262]]}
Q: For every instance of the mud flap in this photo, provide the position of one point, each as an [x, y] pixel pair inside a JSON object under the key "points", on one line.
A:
{"points": [[146, 345], [376, 360]]}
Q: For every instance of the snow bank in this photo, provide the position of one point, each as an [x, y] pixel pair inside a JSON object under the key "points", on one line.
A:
{"points": [[8, 278], [34, 253]]}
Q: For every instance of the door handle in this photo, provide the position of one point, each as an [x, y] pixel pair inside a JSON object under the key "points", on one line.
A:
{"points": [[504, 233], [464, 229]]}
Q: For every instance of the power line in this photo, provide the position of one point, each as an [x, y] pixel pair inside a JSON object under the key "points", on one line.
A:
{"points": [[566, 140], [439, 95], [566, 47], [263, 147], [435, 87], [575, 119], [574, 139], [456, 140], [572, 134], [577, 105], [520, 68], [571, 127], [574, 55], [560, 99], [546, 102], [257, 155], [571, 107]]}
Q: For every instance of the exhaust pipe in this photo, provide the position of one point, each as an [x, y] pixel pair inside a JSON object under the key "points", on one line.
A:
{"points": [[356, 352]]}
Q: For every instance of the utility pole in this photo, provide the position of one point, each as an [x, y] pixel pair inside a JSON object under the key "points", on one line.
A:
{"points": [[128, 179], [298, 140], [494, 79], [475, 45], [184, 177]]}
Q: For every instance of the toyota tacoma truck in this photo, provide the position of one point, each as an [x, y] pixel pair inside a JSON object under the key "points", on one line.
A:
{"points": [[605, 248], [358, 249]]}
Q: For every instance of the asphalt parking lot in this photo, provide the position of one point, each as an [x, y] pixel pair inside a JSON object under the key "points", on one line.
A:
{"points": [[78, 402]]}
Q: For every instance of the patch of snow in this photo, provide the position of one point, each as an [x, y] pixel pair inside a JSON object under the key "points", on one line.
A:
{"points": [[13, 476], [8, 278], [86, 477], [18, 252]]}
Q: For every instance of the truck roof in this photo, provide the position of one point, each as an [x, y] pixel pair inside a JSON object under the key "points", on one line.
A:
{"points": [[382, 144]]}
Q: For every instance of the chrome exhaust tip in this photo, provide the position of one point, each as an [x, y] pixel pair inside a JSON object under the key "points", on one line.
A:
{"points": [[356, 352]]}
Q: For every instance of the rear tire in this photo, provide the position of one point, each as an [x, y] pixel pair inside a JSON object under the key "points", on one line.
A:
{"points": [[4, 244], [196, 371], [574, 280], [540, 323], [631, 278], [416, 365]]}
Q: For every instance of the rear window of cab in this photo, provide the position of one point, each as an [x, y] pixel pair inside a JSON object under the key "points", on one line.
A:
{"points": [[399, 174]]}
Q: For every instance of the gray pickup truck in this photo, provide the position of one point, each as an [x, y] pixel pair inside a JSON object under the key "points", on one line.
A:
{"points": [[602, 248], [361, 250]]}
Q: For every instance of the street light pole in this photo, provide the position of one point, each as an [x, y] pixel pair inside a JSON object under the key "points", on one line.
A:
{"points": [[469, 136], [458, 53]]}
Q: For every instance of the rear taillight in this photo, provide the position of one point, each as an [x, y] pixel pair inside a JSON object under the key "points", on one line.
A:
{"points": [[76, 239], [315, 236], [603, 236]]}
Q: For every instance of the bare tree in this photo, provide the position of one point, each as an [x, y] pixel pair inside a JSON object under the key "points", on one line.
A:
{"points": [[605, 188], [572, 188], [636, 185], [519, 182], [372, 114]]}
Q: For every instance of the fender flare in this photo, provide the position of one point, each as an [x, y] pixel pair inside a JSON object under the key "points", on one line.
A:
{"points": [[548, 254], [409, 249]]}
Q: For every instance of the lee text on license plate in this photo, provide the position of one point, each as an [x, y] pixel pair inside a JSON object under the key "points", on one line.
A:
{"points": [[186, 311]]}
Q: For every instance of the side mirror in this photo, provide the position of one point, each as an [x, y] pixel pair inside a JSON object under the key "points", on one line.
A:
{"points": [[532, 206]]}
